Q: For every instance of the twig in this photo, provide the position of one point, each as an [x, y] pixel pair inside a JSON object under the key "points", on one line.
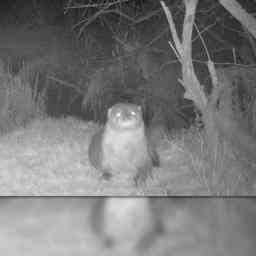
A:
{"points": [[234, 55], [97, 14], [206, 29], [216, 89], [157, 37], [147, 16], [202, 40], [98, 5], [175, 51], [94, 17], [121, 14], [172, 27], [66, 84], [240, 14], [252, 43], [67, 7]]}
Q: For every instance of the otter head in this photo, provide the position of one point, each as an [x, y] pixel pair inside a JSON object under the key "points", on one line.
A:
{"points": [[125, 116]]}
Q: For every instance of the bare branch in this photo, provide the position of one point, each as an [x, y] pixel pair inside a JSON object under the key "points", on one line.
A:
{"points": [[172, 27], [216, 88], [97, 5], [66, 9], [193, 89], [240, 14], [188, 26], [206, 29], [175, 52], [94, 17], [147, 16], [120, 14], [202, 40]]}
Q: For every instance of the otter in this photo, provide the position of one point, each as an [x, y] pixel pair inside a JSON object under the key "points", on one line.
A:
{"points": [[122, 145], [127, 221]]}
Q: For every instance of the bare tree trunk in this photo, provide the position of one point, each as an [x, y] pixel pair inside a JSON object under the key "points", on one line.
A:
{"points": [[215, 123], [193, 89]]}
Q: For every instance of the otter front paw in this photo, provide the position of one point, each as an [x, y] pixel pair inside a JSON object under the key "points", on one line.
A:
{"points": [[142, 175]]}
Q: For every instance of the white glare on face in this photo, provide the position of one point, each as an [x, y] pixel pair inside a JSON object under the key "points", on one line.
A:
{"points": [[118, 114]]}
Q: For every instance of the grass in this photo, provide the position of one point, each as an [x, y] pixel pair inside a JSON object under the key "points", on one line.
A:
{"points": [[20, 103], [50, 157]]}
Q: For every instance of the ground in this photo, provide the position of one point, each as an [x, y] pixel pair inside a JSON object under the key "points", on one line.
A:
{"points": [[61, 226], [50, 157]]}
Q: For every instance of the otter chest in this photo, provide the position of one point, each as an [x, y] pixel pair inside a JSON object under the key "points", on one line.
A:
{"points": [[124, 150]]}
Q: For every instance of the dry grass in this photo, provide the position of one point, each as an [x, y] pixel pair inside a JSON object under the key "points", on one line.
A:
{"points": [[50, 157], [19, 102], [225, 174]]}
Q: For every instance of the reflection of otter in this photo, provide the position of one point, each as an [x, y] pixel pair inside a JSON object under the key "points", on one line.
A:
{"points": [[131, 222], [121, 147]]}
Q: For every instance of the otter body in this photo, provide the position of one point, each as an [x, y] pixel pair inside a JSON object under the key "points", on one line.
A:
{"points": [[122, 147], [126, 222]]}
